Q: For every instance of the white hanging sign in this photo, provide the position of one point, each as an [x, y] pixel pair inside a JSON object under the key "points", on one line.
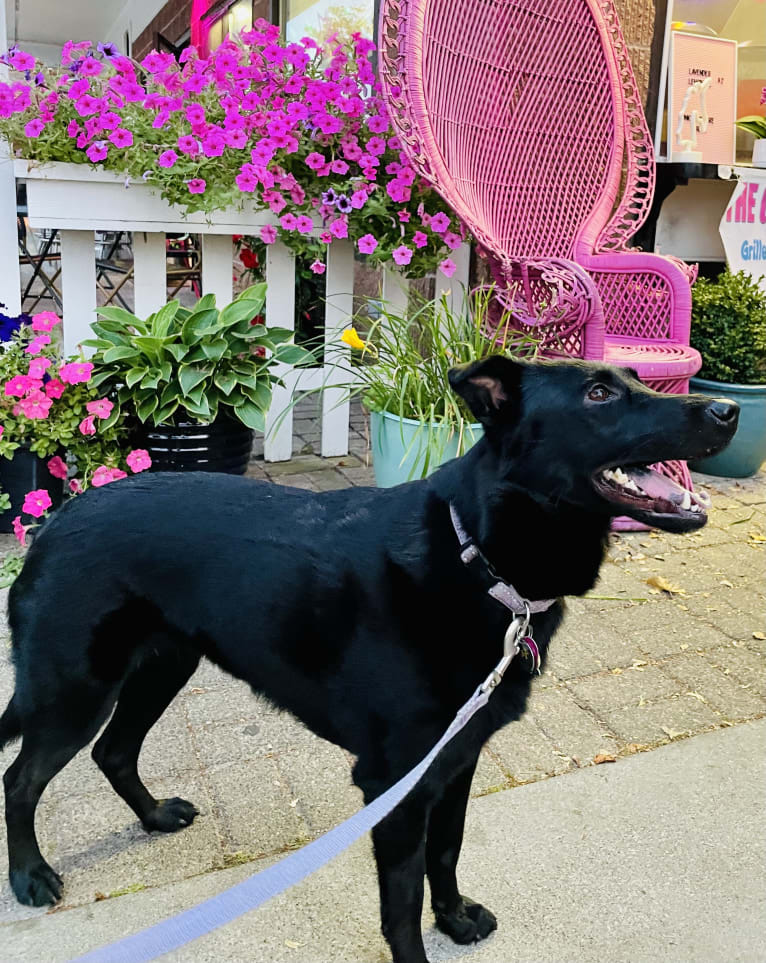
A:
{"points": [[743, 227]]}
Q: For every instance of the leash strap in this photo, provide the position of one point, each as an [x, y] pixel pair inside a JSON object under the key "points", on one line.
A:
{"points": [[257, 889], [501, 591]]}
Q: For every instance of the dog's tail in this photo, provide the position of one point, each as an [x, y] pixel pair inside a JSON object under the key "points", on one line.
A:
{"points": [[10, 724]]}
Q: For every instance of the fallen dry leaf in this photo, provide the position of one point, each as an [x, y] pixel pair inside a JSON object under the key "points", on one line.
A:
{"points": [[98, 896], [760, 635], [294, 944], [756, 537], [726, 582], [671, 733], [658, 582], [616, 671], [603, 757]]}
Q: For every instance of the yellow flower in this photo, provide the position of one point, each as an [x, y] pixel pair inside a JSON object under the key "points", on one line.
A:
{"points": [[351, 338]]}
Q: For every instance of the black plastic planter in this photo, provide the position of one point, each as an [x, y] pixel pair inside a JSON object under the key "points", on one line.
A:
{"points": [[24, 473], [224, 446]]}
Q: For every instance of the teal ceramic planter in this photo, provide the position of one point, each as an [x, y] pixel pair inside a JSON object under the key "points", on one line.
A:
{"points": [[400, 447], [747, 450]]}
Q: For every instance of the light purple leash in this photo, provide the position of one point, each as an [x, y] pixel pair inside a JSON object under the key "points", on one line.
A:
{"points": [[258, 889]]}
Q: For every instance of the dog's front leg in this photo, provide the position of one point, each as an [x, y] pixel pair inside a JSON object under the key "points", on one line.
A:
{"points": [[459, 917], [400, 854]]}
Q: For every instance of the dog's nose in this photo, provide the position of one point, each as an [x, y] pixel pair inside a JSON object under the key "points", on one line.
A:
{"points": [[724, 411]]}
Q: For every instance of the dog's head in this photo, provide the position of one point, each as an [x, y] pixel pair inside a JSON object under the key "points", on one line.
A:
{"points": [[584, 434]]}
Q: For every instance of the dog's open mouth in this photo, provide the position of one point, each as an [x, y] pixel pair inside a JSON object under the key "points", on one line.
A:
{"points": [[646, 494]]}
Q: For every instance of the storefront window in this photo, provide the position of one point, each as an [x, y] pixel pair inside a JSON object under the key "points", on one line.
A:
{"points": [[323, 18], [212, 23]]}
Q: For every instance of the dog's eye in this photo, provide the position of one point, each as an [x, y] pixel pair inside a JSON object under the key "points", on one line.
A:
{"points": [[599, 393]]}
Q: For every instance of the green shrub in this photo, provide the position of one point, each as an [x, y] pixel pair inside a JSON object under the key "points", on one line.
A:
{"points": [[729, 328]]}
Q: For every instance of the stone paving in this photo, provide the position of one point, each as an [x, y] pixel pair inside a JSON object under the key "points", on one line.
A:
{"points": [[633, 667]]}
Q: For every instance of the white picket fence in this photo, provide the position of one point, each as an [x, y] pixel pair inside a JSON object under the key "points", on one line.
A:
{"points": [[79, 201]]}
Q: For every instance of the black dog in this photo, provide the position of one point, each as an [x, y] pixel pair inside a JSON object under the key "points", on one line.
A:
{"points": [[351, 609]]}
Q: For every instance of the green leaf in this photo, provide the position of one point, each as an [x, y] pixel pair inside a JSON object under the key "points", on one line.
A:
{"points": [[256, 292], [166, 371], [201, 410], [125, 318], [237, 311], [177, 350], [215, 350], [280, 335], [189, 376], [151, 379], [205, 303], [225, 380], [250, 415], [147, 406], [120, 353], [165, 411], [162, 320], [293, 354], [134, 375], [111, 419]]}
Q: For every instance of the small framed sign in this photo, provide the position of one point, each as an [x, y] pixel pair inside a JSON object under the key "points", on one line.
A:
{"points": [[702, 99]]}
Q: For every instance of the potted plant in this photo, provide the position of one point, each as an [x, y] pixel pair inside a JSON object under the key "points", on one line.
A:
{"points": [[729, 330], [755, 124], [416, 423], [195, 382], [53, 423]]}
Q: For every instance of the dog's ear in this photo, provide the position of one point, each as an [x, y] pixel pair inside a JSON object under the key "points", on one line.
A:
{"points": [[490, 387]]}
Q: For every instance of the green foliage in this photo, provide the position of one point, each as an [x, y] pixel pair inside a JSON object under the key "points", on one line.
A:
{"points": [[183, 363], [729, 328], [754, 123]]}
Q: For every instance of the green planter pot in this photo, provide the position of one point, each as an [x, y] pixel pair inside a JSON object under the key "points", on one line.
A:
{"points": [[400, 447], [747, 450]]}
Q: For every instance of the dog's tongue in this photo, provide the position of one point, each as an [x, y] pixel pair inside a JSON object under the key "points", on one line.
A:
{"points": [[658, 486]]}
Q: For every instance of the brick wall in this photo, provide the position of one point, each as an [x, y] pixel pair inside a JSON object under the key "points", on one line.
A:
{"points": [[637, 20], [173, 21]]}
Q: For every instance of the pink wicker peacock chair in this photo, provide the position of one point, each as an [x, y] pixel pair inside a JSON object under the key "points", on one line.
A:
{"points": [[526, 118]]}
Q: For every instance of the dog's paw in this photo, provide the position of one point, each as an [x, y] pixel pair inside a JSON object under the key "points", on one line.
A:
{"points": [[36, 885], [170, 815], [468, 923]]}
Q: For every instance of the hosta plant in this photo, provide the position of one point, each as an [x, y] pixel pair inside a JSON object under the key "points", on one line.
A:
{"points": [[193, 363]]}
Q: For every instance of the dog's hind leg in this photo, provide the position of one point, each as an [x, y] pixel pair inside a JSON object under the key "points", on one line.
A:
{"points": [[457, 916], [52, 736], [146, 693]]}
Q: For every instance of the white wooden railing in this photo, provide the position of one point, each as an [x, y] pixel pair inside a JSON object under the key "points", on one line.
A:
{"points": [[78, 201]]}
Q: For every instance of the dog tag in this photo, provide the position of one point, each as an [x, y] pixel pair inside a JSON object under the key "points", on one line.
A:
{"points": [[529, 647]]}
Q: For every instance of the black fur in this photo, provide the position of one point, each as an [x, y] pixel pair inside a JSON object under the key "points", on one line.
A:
{"points": [[351, 609]]}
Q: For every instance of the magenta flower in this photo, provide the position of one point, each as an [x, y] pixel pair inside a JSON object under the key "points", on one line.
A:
{"points": [[268, 234], [54, 388], [304, 225], [339, 166], [376, 146], [36, 502], [88, 425], [22, 60], [366, 244], [103, 475], [188, 145], [97, 151], [20, 531], [35, 406], [452, 240], [196, 185], [315, 161], [37, 344], [19, 385], [45, 321], [73, 128], [167, 158], [404, 217], [213, 145], [288, 222], [358, 199], [317, 267], [419, 239], [34, 128], [402, 254], [195, 114], [439, 223], [246, 179], [90, 67], [121, 137], [101, 408], [75, 486], [38, 366], [76, 372], [448, 267], [139, 460], [339, 228], [57, 467], [377, 125]]}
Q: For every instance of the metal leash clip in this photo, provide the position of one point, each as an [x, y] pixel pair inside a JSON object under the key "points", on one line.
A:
{"points": [[511, 647]]}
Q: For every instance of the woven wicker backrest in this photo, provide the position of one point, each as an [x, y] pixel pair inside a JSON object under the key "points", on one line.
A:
{"points": [[514, 110]]}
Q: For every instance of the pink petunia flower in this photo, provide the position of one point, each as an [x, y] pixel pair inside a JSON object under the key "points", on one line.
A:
{"points": [[97, 151], [339, 166], [402, 255], [101, 408], [34, 128], [288, 222], [419, 239], [268, 234], [304, 225], [88, 425], [439, 223], [76, 372], [358, 199], [54, 388], [37, 344], [121, 137], [367, 244], [167, 158], [139, 460], [45, 321], [404, 217], [38, 366], [188, 145], [317, 267], [18, 386], [75, 486], [36, 502], [448, 267], [315, 161], [57, 467], [339, 228], [20, 531], [35, 406], [103, 475], [196, 185]]}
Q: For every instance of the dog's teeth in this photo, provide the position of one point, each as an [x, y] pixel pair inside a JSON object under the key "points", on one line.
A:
{"points": [[686, 503], [696, 508], [608, 474]]}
